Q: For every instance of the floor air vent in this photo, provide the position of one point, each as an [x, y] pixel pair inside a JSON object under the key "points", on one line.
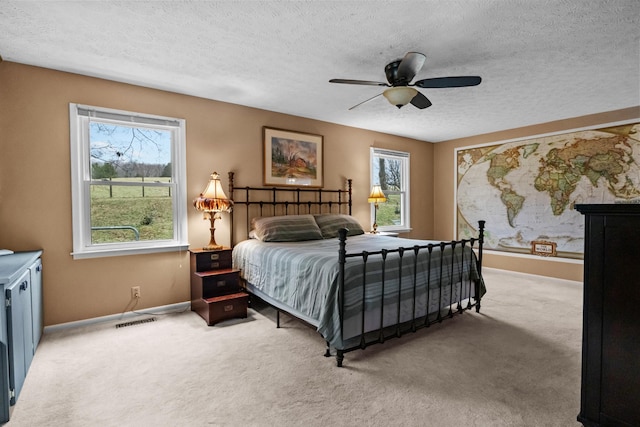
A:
{"points": [[136, 322]]}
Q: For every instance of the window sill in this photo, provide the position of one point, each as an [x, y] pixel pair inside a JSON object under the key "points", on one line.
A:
{"points": [[394, 230], [129, 251]]}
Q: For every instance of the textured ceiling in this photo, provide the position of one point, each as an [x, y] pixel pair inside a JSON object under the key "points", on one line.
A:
{"points": [[540, 60]]}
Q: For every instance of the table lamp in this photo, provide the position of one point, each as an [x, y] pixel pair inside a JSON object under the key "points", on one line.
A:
{"points": [[376, 196], [212, 201]]}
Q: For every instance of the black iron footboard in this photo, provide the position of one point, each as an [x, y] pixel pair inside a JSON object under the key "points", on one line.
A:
{"points": [[438, 283]]}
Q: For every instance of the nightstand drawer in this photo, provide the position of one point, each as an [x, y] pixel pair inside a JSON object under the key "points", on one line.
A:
{"points": [[213, 260], [216, 283], [225, 307]]}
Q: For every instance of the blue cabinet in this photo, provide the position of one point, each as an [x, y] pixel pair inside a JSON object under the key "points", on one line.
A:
{"points": [[19, 332], [21, 322], [35, 272]]}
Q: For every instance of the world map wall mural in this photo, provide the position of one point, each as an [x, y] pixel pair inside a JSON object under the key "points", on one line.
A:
{"points": [[526, 190]]}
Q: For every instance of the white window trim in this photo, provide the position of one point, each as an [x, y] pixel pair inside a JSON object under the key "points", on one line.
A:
{"points": [[80, 187], [406, 156]]}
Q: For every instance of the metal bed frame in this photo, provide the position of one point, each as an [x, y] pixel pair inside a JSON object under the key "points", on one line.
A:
{"points": [[271, 201]]}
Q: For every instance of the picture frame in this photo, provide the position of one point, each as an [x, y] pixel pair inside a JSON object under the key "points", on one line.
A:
{"points": [[292, 159]]}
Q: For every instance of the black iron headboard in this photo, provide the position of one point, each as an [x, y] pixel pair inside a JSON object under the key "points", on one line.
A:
{"points": [[271, 201]]}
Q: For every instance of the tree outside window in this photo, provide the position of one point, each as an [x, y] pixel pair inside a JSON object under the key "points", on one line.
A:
{"points": [[390, 169]]}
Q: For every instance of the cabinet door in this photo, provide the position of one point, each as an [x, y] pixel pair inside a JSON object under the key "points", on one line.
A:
{"points": [[620, 322], [4, 371], [36, 302], [20, 332]]}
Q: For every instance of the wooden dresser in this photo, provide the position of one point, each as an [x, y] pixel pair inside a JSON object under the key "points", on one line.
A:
{"points": [[610, 394]]}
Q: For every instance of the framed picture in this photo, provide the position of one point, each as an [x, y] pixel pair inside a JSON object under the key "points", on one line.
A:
{"points": [[292, 158]]}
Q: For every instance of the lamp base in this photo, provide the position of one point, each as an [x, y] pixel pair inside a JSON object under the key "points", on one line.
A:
{"points": [[213, 247], [374, 229]]}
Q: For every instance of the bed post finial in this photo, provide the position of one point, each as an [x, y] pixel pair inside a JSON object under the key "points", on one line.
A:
{"points": [[478, 282], [342, 237], [231, 173], [481, 224], [342, 259], [349, 186]]}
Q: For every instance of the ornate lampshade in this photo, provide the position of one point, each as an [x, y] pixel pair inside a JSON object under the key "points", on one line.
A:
{"points": [[376, 196], [400, 95], [212, 201]]}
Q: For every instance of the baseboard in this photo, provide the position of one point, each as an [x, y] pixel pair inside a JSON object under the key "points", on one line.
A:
{"points": [[164, 309]]}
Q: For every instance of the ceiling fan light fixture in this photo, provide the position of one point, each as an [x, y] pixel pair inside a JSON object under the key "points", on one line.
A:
{"points": [[400, 74], [400, 95]]}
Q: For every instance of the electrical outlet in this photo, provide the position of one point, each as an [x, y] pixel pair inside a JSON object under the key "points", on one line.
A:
{"points": [[135, 292]]}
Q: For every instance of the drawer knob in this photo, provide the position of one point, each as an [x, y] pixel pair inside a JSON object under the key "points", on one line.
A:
{"points": [[221, 283], [215, 257], [228, 307]]}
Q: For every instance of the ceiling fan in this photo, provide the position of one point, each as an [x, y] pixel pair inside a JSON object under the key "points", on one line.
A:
{"points": [[401, 91]]}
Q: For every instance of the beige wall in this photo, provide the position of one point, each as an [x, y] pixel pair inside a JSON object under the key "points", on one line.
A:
{"points": [[444, 216], [35, 189]]}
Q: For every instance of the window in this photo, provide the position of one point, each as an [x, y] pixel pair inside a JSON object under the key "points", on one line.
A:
{"points": [[128, 179], [390, 169]]}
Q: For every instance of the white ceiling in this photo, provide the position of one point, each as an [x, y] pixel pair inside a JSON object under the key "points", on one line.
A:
{"points": [[540, 60]]}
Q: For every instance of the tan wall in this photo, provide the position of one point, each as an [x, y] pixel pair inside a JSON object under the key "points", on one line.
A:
{"points": [[444, 161], [35, 189]]}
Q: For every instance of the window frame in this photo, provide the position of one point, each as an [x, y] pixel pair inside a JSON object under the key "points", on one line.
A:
{"points": [[405, 160], [79, 126]]}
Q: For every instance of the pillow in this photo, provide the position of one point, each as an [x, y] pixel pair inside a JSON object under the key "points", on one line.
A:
{"points": [[330, 224], [286, 228]]}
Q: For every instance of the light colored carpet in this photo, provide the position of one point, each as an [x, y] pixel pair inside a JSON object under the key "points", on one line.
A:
{"points": [[517, 363]]}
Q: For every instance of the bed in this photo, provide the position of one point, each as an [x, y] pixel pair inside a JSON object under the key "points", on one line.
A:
{"points": [[308, 257]]}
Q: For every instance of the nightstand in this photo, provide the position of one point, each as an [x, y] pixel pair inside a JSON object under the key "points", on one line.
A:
{"points": [[215, 286]]}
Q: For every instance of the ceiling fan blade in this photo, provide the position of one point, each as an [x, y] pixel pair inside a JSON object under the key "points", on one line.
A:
{"points": [[365, 101], [442, 82], [358, 82], [420, 101], [410, 65]]}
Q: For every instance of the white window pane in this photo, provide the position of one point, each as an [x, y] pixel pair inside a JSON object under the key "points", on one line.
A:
{"points": [[119, 151], [130, 213], [128, 182], [390, 169]]}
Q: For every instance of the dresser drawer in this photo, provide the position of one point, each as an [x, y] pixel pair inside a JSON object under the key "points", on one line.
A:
{"points": [[225, 307], [213, 260], [215, 283]]}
